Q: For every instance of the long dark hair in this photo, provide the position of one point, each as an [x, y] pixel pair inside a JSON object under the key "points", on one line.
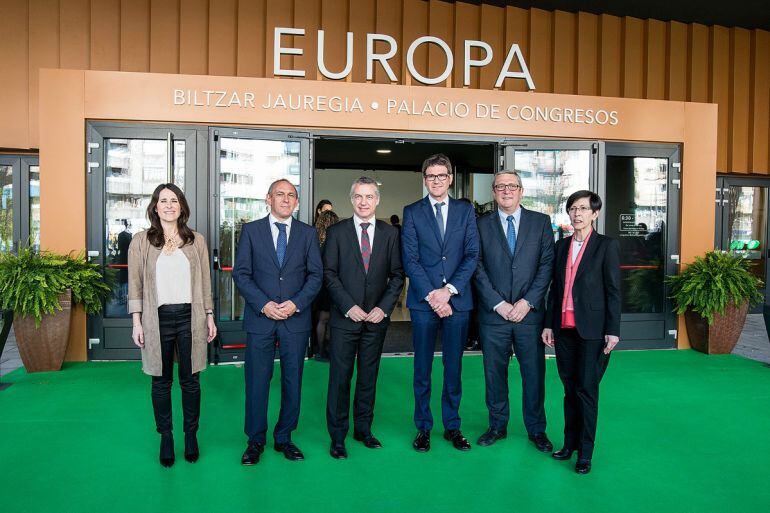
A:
{"points": [[324, 221], [155, 232], [321, 204]]}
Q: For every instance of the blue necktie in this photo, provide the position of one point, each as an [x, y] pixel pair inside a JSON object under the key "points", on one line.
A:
{"points": [[511, 235], [280, 246], [440, 219]]}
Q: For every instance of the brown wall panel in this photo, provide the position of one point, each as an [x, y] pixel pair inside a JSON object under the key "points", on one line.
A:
{"points": [[440, 24], [719, 88], [43, 53], [223, 37], [564, 53], [361, 21], [492, 23], [759, 161], [277, 14], [655, 73], [14, 68], [610, 57], [541, 49], [588, 54], [699, 55], [135, 35], [738, 129], [194, 37], [517, 32], [164, 36], [74, 44], [251, 38], [466, 27], [105, 35], [633, 57], [334, 22], [415, 23], [676, 72]]}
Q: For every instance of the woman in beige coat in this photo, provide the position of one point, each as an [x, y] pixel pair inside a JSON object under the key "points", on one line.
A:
{"points": [[169, 298]]}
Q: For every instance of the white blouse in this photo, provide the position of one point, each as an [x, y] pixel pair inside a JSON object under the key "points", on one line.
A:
{"points": [[172, 277]]}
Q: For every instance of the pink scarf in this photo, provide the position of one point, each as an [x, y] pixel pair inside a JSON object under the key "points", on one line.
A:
{"points": [[567, 306]]}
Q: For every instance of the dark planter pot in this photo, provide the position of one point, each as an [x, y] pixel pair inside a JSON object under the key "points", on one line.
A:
{"points": [[722, 335], [43, 348]]}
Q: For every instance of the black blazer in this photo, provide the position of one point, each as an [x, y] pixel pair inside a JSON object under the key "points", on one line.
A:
{"points": [[596, 290], [501, 276], [347, 282]]}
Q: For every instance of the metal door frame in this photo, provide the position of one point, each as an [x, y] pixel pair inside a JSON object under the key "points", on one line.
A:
{"points": [[20, 165]]}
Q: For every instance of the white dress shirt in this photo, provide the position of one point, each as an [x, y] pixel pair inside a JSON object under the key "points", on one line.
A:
{"points": [[274, 229], [444, 207], [504, 221], [370, 230]]}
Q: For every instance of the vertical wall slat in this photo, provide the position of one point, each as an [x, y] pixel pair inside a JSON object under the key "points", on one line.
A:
{"points": [[738, 126], [14, 68], [105, 35], [43, 53], [307, 15], [517, 32], [278, 13], [415, 23], [251, 38], [466, 27], [361, 22], [492, 26], [223, 37], [610, 55], [194, 37], [719, 89], [564, 48], [698, 74], [587, 68], [541, 49], [74, 23], [655, 74], [676, 69], [135, 35], [760, 94], [164, 36], [440, 24], [633, 57]]}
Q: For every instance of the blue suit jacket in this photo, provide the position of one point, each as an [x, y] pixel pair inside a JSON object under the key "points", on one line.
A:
{"points": [[429, 262], [501, 276], [260, 280]]}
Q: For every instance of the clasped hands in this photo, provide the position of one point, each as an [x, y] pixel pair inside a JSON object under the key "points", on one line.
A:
{"points": [[513, 312], [357, 314], [438, 300], [279, 311]]}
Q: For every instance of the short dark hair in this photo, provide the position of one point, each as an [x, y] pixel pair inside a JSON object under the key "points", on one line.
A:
{"points": [[593, 199], [394, 219], [439, 159]]}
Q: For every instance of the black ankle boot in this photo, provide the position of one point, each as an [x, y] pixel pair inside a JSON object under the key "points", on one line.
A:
{"points": [[191, 452], [167, 449]]}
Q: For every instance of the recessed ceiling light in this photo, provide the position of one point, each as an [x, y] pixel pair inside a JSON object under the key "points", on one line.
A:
{"points": [[383, 150]]}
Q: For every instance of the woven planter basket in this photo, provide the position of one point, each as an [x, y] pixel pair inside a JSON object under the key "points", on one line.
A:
{"points": [[722, 335], [43, 348]]}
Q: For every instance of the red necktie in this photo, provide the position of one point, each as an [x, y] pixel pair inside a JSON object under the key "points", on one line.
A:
{"points": [[366, 247]]}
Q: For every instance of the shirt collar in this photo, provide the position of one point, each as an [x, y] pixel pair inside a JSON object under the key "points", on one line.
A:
{"points": [[272, 219], [357, 221], [433, 201], [504, 216]]}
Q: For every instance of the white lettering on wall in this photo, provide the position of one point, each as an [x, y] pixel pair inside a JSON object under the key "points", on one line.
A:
{"points": [[410, 60], [278, 50], [505, 71], [348, 59], [382, 58], [473, 62]]}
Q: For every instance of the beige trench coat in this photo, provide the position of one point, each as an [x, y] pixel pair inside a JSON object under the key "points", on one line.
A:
{"points": [[143, 298]]}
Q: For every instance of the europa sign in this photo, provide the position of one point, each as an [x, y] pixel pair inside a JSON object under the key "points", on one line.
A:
{"points": [[514, 56]]}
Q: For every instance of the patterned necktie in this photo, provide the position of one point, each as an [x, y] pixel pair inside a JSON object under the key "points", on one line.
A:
{"points": [[511, 235], [366, 247], [440, 219], [280, 245]]}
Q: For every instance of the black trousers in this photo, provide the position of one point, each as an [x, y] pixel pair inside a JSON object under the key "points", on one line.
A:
{"points": [[581, 365], [344, 347], [176, 337]]}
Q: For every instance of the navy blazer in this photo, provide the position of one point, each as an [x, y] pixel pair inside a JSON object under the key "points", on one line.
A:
{"points": [[260, 280], [502, 276], [430, 263]]}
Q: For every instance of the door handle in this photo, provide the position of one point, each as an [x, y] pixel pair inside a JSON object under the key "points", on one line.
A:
{"points": [[215, 253]]}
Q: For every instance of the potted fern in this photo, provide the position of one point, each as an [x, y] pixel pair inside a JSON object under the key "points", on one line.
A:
{"points": [[40, 287], [714, 294]]}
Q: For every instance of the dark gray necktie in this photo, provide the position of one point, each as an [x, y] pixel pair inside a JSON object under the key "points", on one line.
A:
{"points": [[440, 219]]}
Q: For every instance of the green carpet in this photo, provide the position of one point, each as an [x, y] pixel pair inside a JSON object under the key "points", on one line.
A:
{"points": [[678, 431]]}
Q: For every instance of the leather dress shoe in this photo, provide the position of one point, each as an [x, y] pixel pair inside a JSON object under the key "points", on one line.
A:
{"points": [[542, 442], [458, 440], [368, 439], [166, 456], [290, 451], [422, 441], [583, 466], [252, 453], [191, 450], [338, 451], [564, 453], [491, 436]]}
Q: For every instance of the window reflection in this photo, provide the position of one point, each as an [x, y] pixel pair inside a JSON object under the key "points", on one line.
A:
{"points": [[747, 224], [34, 207], [6, 208]]}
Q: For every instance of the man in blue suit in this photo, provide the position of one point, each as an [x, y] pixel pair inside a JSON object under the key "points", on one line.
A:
{"points": [[514, 271], [278, 271], [440, 248]]}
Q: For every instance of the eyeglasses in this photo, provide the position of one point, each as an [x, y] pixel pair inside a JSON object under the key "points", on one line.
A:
{"points": [[513, 187], [575, 210], [437, 178]]}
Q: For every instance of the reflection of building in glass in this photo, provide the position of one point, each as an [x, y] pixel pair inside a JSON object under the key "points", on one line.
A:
{"points": [[6, 208], [650, 179], [747, 220]]}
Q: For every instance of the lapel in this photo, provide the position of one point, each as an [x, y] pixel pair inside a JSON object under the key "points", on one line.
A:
{"points": [[497, 229], [431, 219], [453, 216], [591, 246], [525, 228], [294, 242], [350, 232], [266, 234], [562, 250], [379, 241]]}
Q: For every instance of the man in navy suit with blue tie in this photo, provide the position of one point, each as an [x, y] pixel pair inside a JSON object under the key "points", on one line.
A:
{"points": [[514, 271], [278, 271], [440, 248]]}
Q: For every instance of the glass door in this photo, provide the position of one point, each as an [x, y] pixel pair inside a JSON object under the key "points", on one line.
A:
{"points": [[19, 202], [125, 165], [245, 163], [640, 189]]}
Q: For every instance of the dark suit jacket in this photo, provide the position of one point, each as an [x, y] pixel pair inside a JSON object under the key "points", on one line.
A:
{"points": [[596, 290], [429, 262], [526, 274], [260, 280], [347, 282]]}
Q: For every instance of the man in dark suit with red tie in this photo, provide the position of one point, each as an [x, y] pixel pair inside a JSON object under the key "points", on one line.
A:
{"points": [[364, 277]]}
